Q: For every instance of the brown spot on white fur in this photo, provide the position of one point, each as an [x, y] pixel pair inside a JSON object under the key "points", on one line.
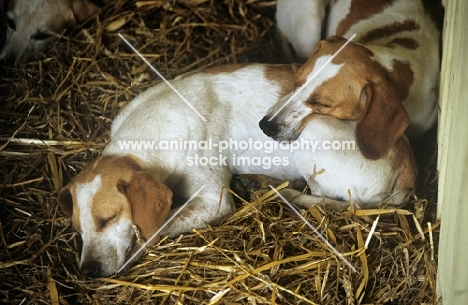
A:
{"points": [[389, 30], [402, 76], [224, 68], [407, 43], [282, 75], [360, 10]]}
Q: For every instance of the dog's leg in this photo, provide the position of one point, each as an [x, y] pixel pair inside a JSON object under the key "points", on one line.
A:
{"points": [[259, 181], [210, 206], [307, 201], [287, 50], [299, 24], [246, 185], [259, 184]]}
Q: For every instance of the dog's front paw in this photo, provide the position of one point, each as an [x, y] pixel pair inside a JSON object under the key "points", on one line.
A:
{"points": [[243, 185], [251, 186]]}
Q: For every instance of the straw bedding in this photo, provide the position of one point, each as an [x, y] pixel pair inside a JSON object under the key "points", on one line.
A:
{"points": [[55, 116]]}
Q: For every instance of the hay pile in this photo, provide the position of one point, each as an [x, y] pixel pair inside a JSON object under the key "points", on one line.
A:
{"points": [[56, 113]]}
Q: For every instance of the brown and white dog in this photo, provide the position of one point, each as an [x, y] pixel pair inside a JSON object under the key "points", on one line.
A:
{"points": [[31, 24], [139, 184], [395, 52]]}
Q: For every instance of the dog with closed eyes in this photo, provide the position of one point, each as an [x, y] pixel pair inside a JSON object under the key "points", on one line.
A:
{"points": [[396, 47], [140, 186], [32, 24]]}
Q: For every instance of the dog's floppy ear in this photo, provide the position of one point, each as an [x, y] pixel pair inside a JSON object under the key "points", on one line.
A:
{"points": [[83, 9], [65, 201], [384, 121], [150, 203]]}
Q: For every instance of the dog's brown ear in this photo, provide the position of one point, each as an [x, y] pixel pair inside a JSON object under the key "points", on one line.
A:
{"points": [[384, 121], [150, 202], [83, 9], [65, 201]]}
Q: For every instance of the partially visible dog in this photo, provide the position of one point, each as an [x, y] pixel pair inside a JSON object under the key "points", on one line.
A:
{"points": [[31, 24], [396, 52], [299, 24], [138, 185]]}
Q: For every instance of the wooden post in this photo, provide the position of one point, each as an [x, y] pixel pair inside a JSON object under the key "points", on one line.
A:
{"points": [[452, 273]]}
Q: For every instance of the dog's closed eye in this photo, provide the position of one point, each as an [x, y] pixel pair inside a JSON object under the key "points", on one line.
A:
{"points": [[314, 101], [11, 23], [319, 105], [41, 36], [104, 221]]}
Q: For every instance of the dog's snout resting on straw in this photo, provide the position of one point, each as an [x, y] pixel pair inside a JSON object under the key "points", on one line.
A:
{"points": [[32, 24]]}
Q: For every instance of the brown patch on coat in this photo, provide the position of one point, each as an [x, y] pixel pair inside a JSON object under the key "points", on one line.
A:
{"points": [[407, 43], [402, 76], [228, 68], [361, 10], [390, 29], [282, 75]]}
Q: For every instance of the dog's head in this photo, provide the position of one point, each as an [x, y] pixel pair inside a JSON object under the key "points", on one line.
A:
{"points": [[353, 86], [103, 201], [31, 24]]}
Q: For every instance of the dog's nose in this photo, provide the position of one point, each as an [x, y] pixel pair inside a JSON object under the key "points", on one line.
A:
{"points": [[91, 269], [270, 128]]}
